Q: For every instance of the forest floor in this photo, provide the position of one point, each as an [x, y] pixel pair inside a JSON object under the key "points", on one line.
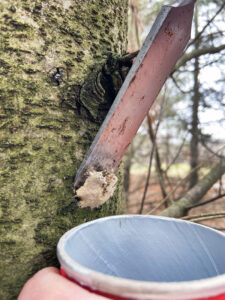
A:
{"points": [[154, 198]]}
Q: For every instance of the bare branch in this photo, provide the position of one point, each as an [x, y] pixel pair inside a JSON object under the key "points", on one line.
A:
{"points": [[177, 154], [177, 85], [195, 194], [181, 181], [208, 148], [197, 53], [210, 63], [212, 36], [158, 160], [211, 217], [169, 194], [151, 157], [203, 215], [147, 179], [207, 201], [220, 185], [206, 25]]}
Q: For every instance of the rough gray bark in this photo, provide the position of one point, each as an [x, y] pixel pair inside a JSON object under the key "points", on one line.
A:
{"points": [[179, 209], [48, 49]]}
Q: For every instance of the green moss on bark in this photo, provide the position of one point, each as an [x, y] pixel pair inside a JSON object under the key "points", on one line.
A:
{"points": [[42, 141]]}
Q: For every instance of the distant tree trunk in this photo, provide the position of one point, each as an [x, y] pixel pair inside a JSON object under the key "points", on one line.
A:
{"points": [[48, 50], [195, 194], [194, 154]]}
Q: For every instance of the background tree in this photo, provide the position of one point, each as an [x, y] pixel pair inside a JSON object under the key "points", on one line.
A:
{"points": [[50, 110], [191, 136], [205, 51]]}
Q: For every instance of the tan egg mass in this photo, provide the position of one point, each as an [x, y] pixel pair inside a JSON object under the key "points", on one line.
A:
{"points": [[97, 188]]}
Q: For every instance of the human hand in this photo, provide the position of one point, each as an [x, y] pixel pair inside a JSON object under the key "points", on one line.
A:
{"points": [[48, 284]]}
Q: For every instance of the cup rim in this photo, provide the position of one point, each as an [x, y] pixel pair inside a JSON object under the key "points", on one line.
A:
{"points": [[130, 288]]}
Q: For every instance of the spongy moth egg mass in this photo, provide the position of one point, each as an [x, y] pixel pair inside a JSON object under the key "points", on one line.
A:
{"points": [[98, 187]]}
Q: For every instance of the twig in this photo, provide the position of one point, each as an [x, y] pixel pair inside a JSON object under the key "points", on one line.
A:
{"points": [[197, 53], [200, 219], [220, 185], [178, 153], [202, 215], [174, 190], [209, 63], [172, 196], [147, 179], [151, 157], [177, 85], [206, 202], [158, 160], [207, 148], [206, 25], [179, 183], [212, 35]]}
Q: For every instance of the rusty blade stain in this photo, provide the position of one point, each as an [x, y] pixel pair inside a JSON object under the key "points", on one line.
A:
{"points": [[155, 61]]}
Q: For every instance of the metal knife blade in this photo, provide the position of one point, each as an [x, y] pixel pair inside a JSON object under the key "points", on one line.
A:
{"points": [[156, 59]]}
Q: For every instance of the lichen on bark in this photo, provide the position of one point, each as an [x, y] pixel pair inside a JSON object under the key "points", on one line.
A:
{"points": [[42, 140]]}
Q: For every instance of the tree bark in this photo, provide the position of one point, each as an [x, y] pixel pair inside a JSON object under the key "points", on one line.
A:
{"points": [[195, 194], [48, 49], [194, 153]]}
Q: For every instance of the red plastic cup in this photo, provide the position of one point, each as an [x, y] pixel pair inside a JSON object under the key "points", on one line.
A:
{"points": [[145, 258]]}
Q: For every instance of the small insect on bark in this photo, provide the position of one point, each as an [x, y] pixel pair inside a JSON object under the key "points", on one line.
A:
{"points": [[59, 75]]}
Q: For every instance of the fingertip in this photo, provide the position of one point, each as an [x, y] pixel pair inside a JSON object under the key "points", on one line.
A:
{"points": [[40, 276], [49, 284], [48, 270]]}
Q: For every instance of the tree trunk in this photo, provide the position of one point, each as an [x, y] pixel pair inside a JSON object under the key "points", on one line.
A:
{"points": [[194, 153], [195, 194], [48, 49]]}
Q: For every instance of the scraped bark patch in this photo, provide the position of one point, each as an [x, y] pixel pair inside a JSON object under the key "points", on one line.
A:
{"points": [[97, 188]]}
